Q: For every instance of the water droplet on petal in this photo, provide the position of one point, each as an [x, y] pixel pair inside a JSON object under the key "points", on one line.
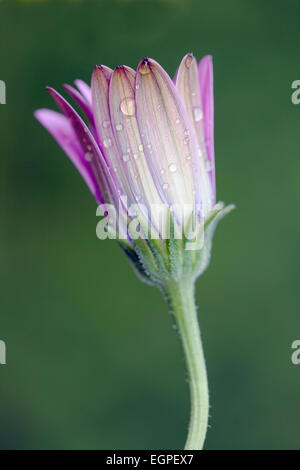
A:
{"points": [[172, 167], [119, 127], [126, 158], [165, 186], [162, 171], [107, 143], [135, 156], [141, 148], [198, 114], [188, 157], [88, 156], [106, 124], [188, 61], [177, 121], [127, 106], [186, 140], [208, 165], [144, 68]]}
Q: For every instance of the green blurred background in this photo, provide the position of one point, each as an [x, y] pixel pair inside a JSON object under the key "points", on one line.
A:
{"points": [[92, 360]]}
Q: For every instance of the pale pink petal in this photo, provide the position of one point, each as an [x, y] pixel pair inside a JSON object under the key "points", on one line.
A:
{"points": [[123, 114], [205, 70], [187, 83], [106, 134], [169, 143]]}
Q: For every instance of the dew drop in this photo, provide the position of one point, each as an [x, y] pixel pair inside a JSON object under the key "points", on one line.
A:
{"points": [[88, 156], [144, 68], [135, 156], [188, 61], [127, 106], [162, 171], [177, 121], [165, 186], [198, 115], [208, 165], [126, 158], [106, 124], [172, 167], [188, 157], [119, 127], [141, 148], [186, 140], [107, 143]]}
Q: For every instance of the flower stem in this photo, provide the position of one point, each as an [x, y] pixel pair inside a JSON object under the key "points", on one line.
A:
{"points": [[182, 303]]}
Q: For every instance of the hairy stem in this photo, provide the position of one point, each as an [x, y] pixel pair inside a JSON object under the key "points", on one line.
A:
{"points": [[182, 303]]}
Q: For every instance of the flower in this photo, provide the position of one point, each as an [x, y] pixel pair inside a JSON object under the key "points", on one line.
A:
{"points": [[146, 152]]}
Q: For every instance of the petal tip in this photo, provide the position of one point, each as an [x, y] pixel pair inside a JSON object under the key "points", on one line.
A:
{"points": [[67, 87], [144, 66], [119, 68], [37, 114], [51, 90]]}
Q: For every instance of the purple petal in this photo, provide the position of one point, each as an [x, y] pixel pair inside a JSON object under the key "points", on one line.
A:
{"points": [[187, 83], [89, 147], [84, 105], [62, 131], [85, 90], [168, 139], [205, 70]]}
